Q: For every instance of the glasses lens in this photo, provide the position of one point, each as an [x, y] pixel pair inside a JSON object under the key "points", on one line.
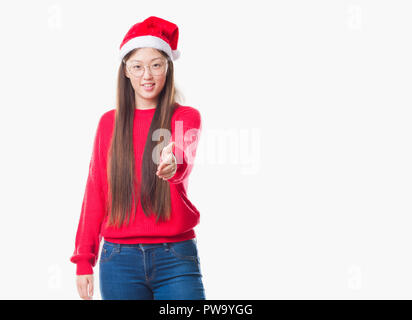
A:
{"points": [[157, 68]]}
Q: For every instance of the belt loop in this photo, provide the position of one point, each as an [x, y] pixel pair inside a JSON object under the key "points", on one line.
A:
{"points": [[117, 247], [166, 245]]}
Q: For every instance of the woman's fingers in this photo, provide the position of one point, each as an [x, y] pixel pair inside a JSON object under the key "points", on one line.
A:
{"points": [[81, 286], [85, 284], [91, 288], [161, 166], [166, 171], [168, 168], [167, 161]]}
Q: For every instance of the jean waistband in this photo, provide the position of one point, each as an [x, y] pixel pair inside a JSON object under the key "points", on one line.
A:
{"points": [[143, 245]]}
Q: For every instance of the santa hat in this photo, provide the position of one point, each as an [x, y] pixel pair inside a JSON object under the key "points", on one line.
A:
{"points": [[153, 32]]}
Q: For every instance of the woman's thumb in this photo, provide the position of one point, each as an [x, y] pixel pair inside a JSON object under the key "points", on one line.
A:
{"points": [[170, 146]]}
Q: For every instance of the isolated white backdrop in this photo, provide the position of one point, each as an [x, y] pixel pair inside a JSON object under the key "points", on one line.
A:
{"points": [[303, 172]]}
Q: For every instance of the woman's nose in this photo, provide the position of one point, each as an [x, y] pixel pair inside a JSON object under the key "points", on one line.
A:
{"points": [[147, 72]]}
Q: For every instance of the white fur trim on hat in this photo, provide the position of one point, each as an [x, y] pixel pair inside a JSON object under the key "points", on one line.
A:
{"points": [[151, 42]]}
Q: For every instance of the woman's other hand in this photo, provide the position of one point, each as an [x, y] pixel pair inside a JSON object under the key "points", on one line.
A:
{"points": [[85, 286]]}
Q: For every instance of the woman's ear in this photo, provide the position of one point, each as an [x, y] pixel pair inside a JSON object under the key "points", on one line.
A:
{"points": [[126, 72]]}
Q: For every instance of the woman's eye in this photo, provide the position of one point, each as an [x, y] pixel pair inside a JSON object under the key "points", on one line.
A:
{"points": [[137, 67]]}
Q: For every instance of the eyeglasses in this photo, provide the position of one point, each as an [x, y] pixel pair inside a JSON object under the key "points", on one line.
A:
{"points": [[157, 67]]}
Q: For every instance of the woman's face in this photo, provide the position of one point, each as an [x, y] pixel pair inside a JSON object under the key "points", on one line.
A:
{"points": [[146, 57]]}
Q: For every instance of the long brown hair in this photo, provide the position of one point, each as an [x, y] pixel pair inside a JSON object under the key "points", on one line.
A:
{"points": [[124, 189]]}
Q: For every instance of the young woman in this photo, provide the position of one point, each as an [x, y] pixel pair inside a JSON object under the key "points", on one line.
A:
{"points": [[135, 194]]}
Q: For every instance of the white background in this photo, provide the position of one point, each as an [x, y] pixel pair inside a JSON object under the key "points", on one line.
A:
{"points": [[303, 171]]}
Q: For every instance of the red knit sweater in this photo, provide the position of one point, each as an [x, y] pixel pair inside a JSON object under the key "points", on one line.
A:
{"points": [[142, 229]]}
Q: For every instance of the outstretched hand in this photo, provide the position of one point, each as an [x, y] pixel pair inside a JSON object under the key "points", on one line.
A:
{"points": [[168, 165]]}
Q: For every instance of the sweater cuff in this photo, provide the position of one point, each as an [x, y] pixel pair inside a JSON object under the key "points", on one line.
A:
{"points": [[84, 267]]}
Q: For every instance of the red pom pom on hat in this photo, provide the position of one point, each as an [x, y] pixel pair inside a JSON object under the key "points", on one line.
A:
{"points": [[152, 32]]}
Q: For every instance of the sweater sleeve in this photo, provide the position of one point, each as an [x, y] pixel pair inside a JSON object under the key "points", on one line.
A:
{"points": [[186, 134], [88, 235]]}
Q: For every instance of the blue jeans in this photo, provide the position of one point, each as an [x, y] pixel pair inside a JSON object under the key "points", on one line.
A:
{"points": [[158, 271]]}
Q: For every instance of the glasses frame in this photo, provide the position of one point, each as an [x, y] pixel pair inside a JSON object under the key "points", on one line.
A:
{"points": [[128, 66]]}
